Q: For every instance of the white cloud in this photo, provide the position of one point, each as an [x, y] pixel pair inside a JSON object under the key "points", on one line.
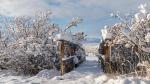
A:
{"points": [[90, 9], [21, 7]]}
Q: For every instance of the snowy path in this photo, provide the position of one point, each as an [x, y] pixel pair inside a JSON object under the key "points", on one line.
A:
{"points": [[89, 70], [89, 67]]}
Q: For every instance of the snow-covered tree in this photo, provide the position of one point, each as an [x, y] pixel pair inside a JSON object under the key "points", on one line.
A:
{"points": [[135, 32], [74, 22], [130, 40], [30, 49], [30, 45]]}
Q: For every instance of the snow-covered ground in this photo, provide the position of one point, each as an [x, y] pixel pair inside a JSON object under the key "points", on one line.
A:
{"points": [[84, 74], [88, 72]]}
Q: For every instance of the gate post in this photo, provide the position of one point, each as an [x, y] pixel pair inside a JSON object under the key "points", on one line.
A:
{"points": [[62, 47]]}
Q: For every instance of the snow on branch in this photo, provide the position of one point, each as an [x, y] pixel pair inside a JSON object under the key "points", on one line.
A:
{"points": [[74, 22], [135, 32]]}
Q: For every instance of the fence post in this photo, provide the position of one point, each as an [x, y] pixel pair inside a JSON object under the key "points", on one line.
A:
{"points": [[62, 56]]}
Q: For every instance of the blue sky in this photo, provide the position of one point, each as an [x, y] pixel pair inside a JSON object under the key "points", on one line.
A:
{"points": [[95, 13]]}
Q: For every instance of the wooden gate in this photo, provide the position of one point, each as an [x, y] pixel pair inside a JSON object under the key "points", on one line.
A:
{"points": [[68, 56]]}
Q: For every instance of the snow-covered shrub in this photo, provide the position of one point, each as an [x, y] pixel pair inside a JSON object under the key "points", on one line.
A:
{"points": [[129, 41], [134, 32], [30, 49], [30, 45]]}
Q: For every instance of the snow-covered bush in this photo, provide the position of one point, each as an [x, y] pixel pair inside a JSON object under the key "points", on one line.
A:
{"points": [[30, 49], [30, 45], [135, 32], [129, 40]]}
